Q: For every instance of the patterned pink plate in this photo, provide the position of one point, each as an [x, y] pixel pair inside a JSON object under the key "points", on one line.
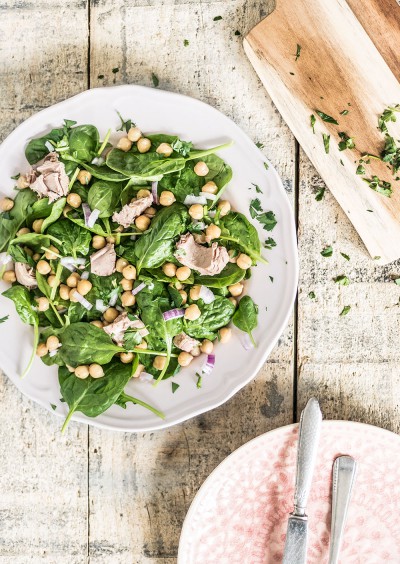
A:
{"points": [[240, 513]]}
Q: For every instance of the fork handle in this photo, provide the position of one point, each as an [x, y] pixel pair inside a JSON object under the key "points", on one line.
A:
{"points": [[344, 471]]}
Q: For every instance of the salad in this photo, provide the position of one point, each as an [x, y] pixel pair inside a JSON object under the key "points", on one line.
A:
{"points": [[126, 260]]}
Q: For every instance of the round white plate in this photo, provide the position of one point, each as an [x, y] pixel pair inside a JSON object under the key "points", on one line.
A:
{"points": [[158, 111]]}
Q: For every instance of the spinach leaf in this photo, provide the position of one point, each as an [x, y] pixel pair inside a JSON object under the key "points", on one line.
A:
{"points": [[183, 183], [83, 142], [228, 276], [83, 343], [56, 211], [154, 247], [34, 240], [215, 315], [93, 396], [36, 148], [201, 153], [19, 254], [81, 222], [124, 398], [39, 210], [148, 166], [104, 196], [75, 239], [237, 229], [10, 224], [218, 171], [245, 317], [158, 274], [102, 172]]}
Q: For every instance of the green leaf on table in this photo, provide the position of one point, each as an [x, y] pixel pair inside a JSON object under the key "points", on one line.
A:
{"points": [[320, 194], [312, 122], [175, 386], [327, 251], [298, 51], [345, 256], [270, 243], [381, 186], [327, 139], [4, 319], [345, 311], [311, 295], [342, 280], [346, 142], [326, 117], [155, 80]]}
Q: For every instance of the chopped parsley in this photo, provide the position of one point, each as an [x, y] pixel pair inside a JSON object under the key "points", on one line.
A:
{"points": [[391, 153], [155, 80], [298, 50], [311, 295], [53, 406], [125, 124], [100, 76], [388, 115], [325, 117], [327, 251], [327, 139], [182, 147], [267, 219], [360, 169], [380, 186], [342, 280], [346, 142], [15, 177], [270, 243], [320, 194], [185, 42], [4, 319], [175, 386], [199, 380], [344, 112], [255, 207], [345, 256], [217, 18], [237, 32], [313, 119], [345, 311], [271, 278], [115, 70], [259, 145], [258, 189], [266, 166]]}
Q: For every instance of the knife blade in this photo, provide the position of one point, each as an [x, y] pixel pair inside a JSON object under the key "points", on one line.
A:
{"points": [[309, 432]]}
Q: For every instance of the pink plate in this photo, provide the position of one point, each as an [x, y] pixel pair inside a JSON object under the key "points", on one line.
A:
{"points": [[240, 513]]}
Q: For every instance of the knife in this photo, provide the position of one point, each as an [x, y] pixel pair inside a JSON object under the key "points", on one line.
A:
{"points": [[309, 432]]}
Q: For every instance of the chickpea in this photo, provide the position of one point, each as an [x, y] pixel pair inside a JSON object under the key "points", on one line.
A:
{"points": [[126, 284], [195, 351], [143, 144], [159, 362], [210, 187], [129, 272], [124, 144], [97, 323], [43, 267], [143, 193], [233, 301], [96, 371], [178, 285], [201, 169], [72, 295], [236, 289], [183, 273], [43, 303], [196, 211], [52, 343], [128, 299], [9, 276], [52, 281], [64, 292], [225, 207], [66, 210], [134, 134], [200, 238], [213, 231], [233, 255], [110, 314], [169, 269], [142, 345], [142, 222], [120, 264], [225, 334], [184, 296], [73, 279], [51, 253], [207, 346], [36, 257], [84, 177], [37, 225], [195, 292], [244, 261], [22, 182], [111, 240], [74, 200], [23, 231], [6, 204], [126, 358], [84, 287], [70, 368], [166, 198], [82, 371], [184, 359], [150, 212], [98, 242], [164, 149], [42, 350], [192, 312], [138, 371]]}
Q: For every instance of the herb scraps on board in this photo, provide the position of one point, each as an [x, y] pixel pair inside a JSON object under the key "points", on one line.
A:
{"points": [[298, 51]]}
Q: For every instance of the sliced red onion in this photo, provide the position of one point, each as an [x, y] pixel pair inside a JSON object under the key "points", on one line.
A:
{"points": [[85, 275], [86, 212], [208, 196], [143, 332], [49, 146], [67, 263], [53, 353], [100, 306], [246, 342], [173, 313], [146, 377], [206, 295], [113, 297], [5, 258], [98, 161], [93, 217], [154, 191], [209, 364], [83, 301], [138, 289], [190, 200]]}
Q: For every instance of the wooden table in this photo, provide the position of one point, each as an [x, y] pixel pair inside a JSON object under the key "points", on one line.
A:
{"points": [[109, 498]]}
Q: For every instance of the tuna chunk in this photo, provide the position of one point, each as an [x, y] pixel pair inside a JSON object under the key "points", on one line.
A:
{"points": [[205, 260], [122, 323], [103, 262], [25, 275], [130, 211], [185, 343], [49, 179]]}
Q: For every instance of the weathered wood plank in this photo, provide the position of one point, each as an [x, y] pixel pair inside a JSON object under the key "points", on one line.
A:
{"points": [[141, 485], [43, 507]]}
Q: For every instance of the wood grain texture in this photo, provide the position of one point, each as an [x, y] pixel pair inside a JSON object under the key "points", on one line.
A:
{"points": [[338, 79]]}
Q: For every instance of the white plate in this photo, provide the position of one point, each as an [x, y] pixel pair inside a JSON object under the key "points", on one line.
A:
{"points": [[158, 111]]}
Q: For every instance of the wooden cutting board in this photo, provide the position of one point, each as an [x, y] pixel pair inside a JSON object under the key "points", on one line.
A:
{"points": [[342, 66]]}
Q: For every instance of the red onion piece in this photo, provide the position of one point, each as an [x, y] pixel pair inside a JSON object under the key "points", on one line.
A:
{"points": [[83, 301], [208, 196], [85, 275], [154, 191], [191, 199], [93, 217], [173, 313], [206, 295], [208, 366], [86, 212], [113, 297], [100, 306], [5, 258], [136, 290], [246, 342]]}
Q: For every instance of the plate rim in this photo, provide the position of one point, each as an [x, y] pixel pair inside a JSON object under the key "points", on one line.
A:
{"points": [[291, 237]]}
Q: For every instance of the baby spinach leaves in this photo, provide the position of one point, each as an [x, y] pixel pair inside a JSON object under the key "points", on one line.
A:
{"points": [[104, 196], [83, 343], [148, 166], [37, 149], [83, 142], [241, 234], [245, 317], [9, 225], [75, 239], [55, 212], [215, 315], [231, 274]]}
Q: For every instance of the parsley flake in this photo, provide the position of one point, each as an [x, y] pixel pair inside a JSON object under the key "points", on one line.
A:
{"points": [[237, 32], [327, 140], [327, 251], [345, 256], [185, 42], [271, 278], [115, 70], [298, 50], [345, 311], [360, 169], [311, 295], [258, 189], [344, 112], [199, 380], [155, 80], [346, 142], [266, 166], [175, 386], [217, 18], [125, 124], [53, 406], [380, 186], [388, 115], [320, 194], [313, 119], [4, 319], [270, 243], [342, 280], [325, 117], [259, 145]]}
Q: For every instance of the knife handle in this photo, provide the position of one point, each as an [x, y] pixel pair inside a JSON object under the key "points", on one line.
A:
{"points": [[309, 432], [344, 472]]}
